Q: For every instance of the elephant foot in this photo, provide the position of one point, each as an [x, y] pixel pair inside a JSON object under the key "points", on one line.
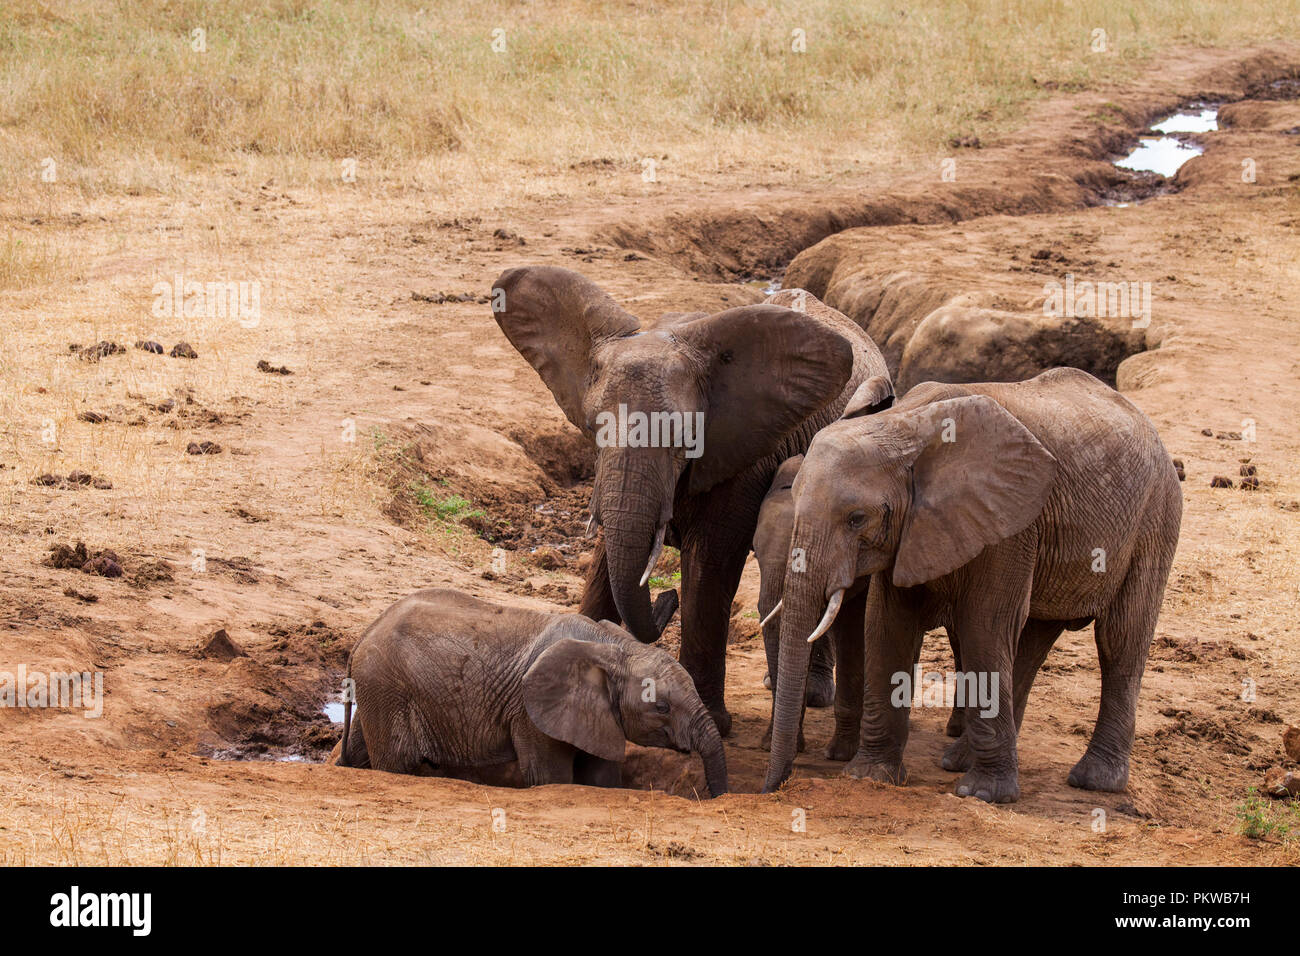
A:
{"points": [[842, 747], [956, 723], [1095, 772], [989, 787], [821, 689], [863, 767], [957, 756]]}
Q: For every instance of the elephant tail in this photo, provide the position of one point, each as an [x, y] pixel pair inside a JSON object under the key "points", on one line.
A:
{"points": [[348, 694]]}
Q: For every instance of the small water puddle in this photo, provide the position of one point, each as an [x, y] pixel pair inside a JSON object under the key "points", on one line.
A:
{"points": [[1167, 154], [333, 709]]}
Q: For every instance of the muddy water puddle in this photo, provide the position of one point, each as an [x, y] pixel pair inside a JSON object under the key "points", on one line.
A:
{"points": [[1166, 154]]}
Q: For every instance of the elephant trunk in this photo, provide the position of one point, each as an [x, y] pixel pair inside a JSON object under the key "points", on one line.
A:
{"points": [[805, 614], [707, 742], [635, 507]]}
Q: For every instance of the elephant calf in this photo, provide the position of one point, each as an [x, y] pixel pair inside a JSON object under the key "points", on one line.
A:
{"points": [[450, 685]]}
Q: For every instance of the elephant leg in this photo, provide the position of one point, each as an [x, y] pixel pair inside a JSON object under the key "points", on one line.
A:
{"points": [[821, 674], [989, 626], [709, 582], [542, 759], [893, 632], [358, 755], [593, 771], [597, 597], [847, 632], [1123, 633], [1036, 640], [956, 719]]}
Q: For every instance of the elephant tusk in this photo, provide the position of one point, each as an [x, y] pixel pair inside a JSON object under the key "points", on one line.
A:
{"points": [[654, 553], [832, 609], [772, 613], [592, 524]]}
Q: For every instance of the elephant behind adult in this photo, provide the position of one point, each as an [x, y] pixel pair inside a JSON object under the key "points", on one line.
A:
{"points": [[1006, 513], [449, 685], [763, 379]]}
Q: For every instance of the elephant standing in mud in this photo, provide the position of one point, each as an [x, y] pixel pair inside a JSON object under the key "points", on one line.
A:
{"points": [[1006, 513], [728, 397], [450, 685]]}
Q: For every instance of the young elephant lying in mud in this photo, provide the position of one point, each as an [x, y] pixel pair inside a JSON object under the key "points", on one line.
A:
{"points": [[450, 685]]}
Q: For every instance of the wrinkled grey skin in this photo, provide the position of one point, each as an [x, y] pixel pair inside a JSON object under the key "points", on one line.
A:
{"points": [[765, 377], [844, 686], [840, 649], [449, 685], [983, 508]]}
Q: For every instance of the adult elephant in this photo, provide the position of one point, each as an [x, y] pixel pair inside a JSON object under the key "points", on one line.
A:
{"points": [[1006, 513], [760, 380]]}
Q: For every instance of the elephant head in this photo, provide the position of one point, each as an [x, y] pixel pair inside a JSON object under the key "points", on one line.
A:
{"points": [[595, 694], [914, 493], [674, 409]]}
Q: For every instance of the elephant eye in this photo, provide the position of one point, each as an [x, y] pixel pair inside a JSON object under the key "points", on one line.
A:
{"points": [[857, 519], [662, 706]]}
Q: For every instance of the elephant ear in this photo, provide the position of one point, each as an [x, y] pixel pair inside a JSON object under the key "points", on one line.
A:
{"points": [[569, 694], [874, 395], [555, 318], [979, 477], [767, 369]]}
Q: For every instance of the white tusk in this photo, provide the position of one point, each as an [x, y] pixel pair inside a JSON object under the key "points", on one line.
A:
{"points": [[772, 613], [832, 609], [591, 525], [654, 554]]}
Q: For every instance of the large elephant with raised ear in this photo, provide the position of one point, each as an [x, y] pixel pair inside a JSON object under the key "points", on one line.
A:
{"points": [[448, 685], [691, 417], [1006, 513]]}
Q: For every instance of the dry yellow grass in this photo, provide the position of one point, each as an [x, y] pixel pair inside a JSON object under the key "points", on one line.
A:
{"points": [[482, 104]]}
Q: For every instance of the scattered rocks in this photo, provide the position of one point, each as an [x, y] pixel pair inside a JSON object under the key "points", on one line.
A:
{"points": [[75, 479], [221, 647], [93, 353], [1178, 468], [203, 448], [104, 563], [1281, 784], [1207, 432], [264, 366], [1291, 743], [83, 596], [439, 298], [548, 559], [183, 350], [1219, 481], [149, 346]]}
